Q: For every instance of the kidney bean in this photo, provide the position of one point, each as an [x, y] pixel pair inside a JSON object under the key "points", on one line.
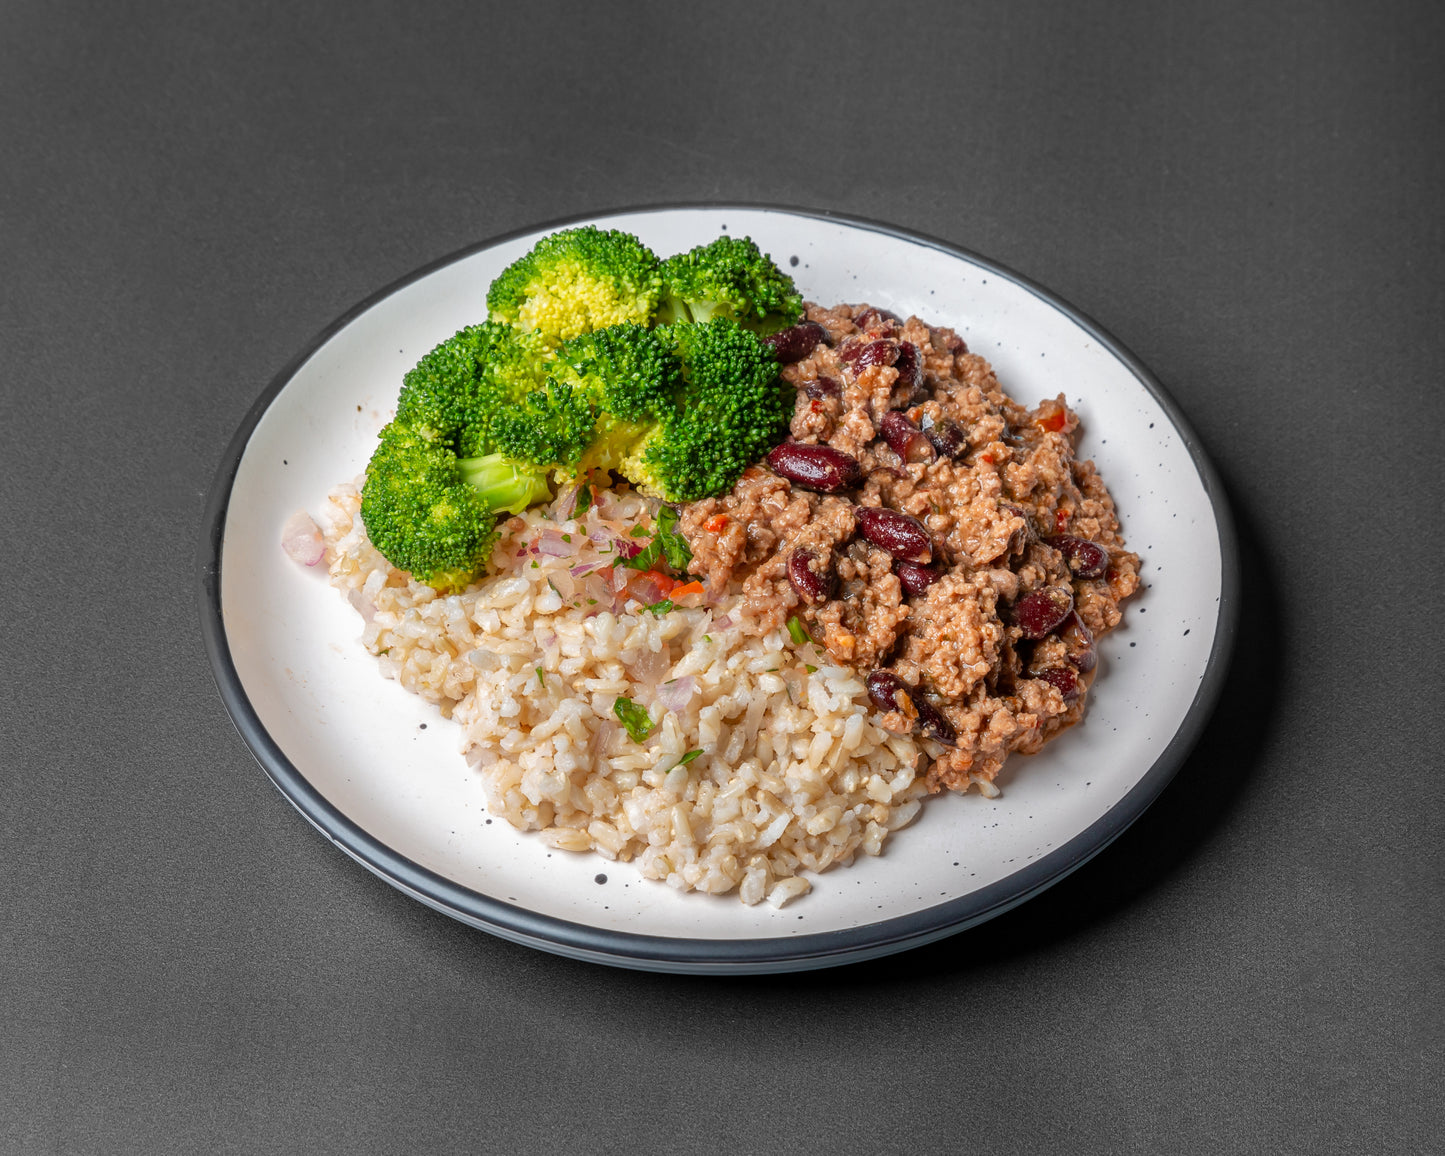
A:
{"points": [[947, 437], [904, 437], [909, 366], [821, 387], [1065, 679], [1042, 612], [883, 689], [795, 342], [820, 468], [872, 316], [860, 355], [811, 585], [932, 722], [914, 577], [1086, 559], [1079, 643], [900, 534]]}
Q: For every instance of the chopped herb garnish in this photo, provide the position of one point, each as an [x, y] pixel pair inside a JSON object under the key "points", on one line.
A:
{"points": [[665, 544], [591, 602], [554, 588], [541, 677], [634, 718], [536, 565], [799, 632], [566, 537], [687, 758], [658, 609], [584, 502], [707, 637], [810, 669]]}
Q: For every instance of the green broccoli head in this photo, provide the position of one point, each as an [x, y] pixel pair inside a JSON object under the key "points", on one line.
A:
{"points": [[731, 277], [421, 514], [630, 370], [454, 389], [577, 280], [552, 427], [733, 409]]}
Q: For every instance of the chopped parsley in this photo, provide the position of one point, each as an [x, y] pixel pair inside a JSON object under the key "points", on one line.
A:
{"points": [[687, 758], [584, 501], [810, 669], [634, 718], [541, 677], [666, 544], [658, 609]]}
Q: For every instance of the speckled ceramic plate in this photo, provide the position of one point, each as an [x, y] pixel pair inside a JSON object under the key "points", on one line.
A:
{"points": [[349, 748]]}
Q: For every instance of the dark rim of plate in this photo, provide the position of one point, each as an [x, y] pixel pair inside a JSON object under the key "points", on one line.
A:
{"points": [[738, 956]]}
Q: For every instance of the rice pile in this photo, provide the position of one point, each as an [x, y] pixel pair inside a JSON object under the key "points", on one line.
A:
{"points": [[792, 775]]}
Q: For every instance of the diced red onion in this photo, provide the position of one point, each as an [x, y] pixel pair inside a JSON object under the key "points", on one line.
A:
{"points": [[552, 544], [723, 622], [364, 606], [587, 568], [302, 540], [566, 502], [675, 695]]}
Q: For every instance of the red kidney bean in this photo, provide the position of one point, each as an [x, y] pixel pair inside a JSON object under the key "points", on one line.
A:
{"points": [[819, 468], [1065, 679], [947, 437], [860, 355], [932, 722], [796, 342], [1042, 612], [909, 366], [884, 687], [914, 577], [900, 534], [1086, 559], [821, 387], [811, 585], [904, 437], [1078, 643], [872, 316]]}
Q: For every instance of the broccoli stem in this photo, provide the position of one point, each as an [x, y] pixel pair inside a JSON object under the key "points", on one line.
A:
{"points": [[505, 484]]}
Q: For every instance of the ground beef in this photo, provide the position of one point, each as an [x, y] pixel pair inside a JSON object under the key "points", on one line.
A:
{"points": [[1001, 502]]}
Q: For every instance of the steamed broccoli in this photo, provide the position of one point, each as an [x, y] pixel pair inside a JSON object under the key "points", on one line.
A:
{"points": [[577, 280], [552, 427], [731, 277], [435, 482], [454, 389], [732, 409]]}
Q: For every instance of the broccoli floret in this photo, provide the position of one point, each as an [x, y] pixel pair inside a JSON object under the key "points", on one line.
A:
{"points": [[630, 370], [575, 281], [732, 410], [552, 427], [454, 390], [420, 513], [731, 277]]}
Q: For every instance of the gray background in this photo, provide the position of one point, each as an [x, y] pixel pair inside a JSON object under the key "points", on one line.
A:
{"points": [[1247, 195]]}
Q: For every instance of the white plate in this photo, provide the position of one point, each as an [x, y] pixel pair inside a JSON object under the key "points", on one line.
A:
{"points": [[378, 771]]}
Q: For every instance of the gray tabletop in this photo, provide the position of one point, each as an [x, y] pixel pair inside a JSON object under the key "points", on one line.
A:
{"points": [[1246, 194]]}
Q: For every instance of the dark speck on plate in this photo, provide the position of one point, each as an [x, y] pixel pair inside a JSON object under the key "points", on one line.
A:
{"points": [[599, 878]]}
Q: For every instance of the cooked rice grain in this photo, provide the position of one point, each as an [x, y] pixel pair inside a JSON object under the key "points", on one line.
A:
{"points": [[793, 775]]}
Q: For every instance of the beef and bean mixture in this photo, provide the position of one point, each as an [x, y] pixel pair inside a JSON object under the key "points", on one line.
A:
{"points": [[929, 531]]}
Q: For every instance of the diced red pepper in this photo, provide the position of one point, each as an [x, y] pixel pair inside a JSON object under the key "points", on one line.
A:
{"points": [[716, 524], [1061, 520]]}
